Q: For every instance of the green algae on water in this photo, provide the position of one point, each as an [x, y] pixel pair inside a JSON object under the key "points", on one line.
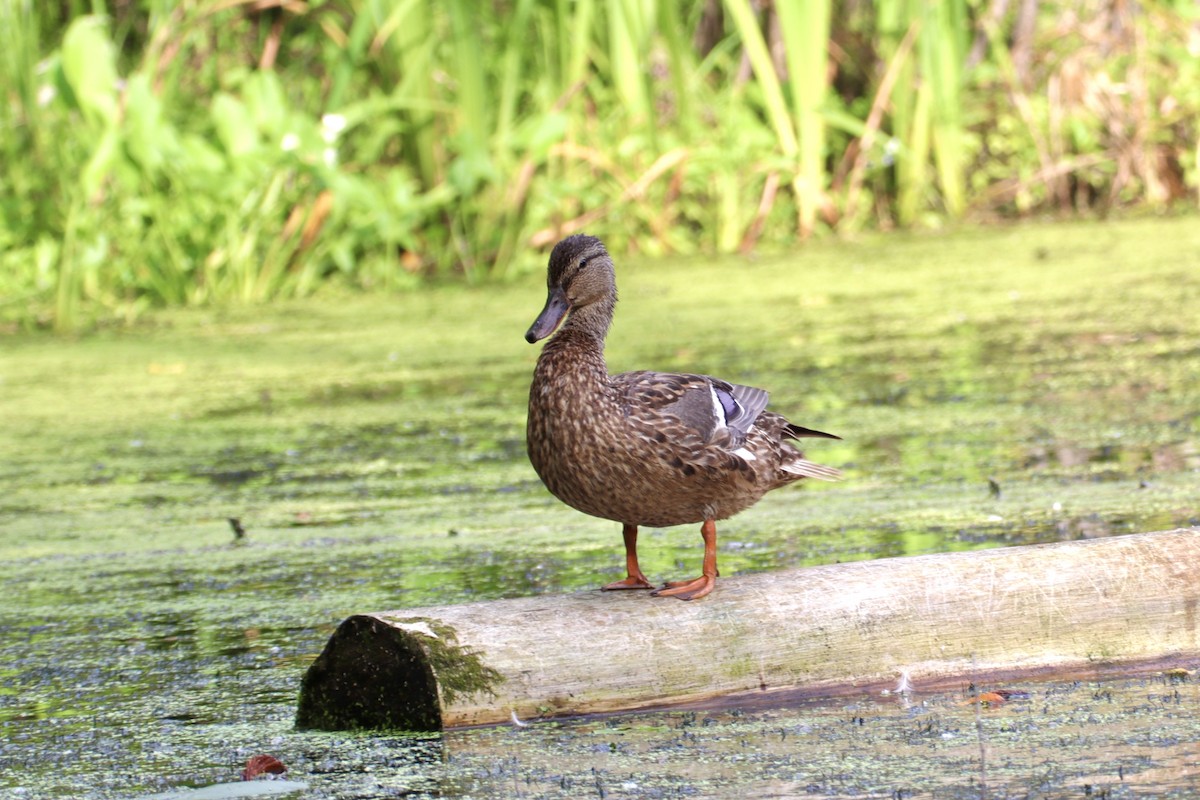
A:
{"points": [[373, 449]]}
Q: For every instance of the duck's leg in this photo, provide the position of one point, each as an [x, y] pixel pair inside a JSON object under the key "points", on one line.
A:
{"points": [[635, 579], [697, 587]]}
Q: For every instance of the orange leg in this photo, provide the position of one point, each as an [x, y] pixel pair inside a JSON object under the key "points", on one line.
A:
{"points": [[698, 587], [635, 579]]}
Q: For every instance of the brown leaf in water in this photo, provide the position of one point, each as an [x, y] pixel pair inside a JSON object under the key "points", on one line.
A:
{"points": [[996, 697], [262, 764]]}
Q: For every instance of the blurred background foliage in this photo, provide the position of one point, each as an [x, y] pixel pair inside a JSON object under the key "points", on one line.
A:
{"points": [[163, 152]]}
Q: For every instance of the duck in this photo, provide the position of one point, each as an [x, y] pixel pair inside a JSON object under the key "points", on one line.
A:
{"points": [[645, 448]]}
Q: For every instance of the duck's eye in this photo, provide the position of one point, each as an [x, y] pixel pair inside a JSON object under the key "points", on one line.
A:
{"points": [[582, 263]]}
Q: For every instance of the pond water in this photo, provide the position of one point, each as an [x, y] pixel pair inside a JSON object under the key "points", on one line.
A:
{"points": [[993, 388]]}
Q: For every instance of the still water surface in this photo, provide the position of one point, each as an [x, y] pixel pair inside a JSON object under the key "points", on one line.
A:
{"points": [[372, 449]]}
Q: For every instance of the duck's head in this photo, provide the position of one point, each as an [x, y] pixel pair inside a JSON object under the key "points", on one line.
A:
{"points": [[580, 274]]}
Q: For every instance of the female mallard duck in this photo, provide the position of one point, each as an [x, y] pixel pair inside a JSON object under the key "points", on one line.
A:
{"points": [[645, 448]]}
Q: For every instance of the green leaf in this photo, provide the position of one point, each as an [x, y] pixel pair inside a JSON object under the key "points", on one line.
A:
{"points": [[472, 167], [266, 101], [89, 65], [238, 136], [199, 157], [538, 134], [842, 120], [148, 139], [100, 164]]}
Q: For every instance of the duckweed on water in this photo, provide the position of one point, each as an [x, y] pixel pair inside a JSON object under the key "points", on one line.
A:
{"points": [[372, 448], [1061, 739]]}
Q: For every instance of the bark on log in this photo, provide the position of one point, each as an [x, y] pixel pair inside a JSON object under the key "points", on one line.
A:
{"points": [[1064, 606]]}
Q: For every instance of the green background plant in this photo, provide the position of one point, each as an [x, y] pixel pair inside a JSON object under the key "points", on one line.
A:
{"points": [[213, 151]]}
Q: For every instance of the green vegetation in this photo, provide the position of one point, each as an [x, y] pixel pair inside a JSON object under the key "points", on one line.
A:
{"points": [[170, 152]]}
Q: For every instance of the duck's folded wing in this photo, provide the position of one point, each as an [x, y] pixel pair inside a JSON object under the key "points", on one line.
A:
{"points": [[711, 409]]}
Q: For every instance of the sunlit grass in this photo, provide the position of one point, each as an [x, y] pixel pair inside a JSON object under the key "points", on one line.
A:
{"points": [[219, 153]]}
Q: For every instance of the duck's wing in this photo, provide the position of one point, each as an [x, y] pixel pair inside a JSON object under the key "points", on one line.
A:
{"points": [[711, 409]]}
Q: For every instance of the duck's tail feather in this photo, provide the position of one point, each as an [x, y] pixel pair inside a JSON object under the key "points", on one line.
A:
{"points": [[800, 432], [811, 469]]}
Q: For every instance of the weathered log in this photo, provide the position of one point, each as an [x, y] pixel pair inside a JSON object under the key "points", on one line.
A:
{"points": [[1115, 601]]}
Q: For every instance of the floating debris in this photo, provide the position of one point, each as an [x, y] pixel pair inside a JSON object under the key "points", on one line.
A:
{"points": [[262, 765], [239, 532], [996, 697]]}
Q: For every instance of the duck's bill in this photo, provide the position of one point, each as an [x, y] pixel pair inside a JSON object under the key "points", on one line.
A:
{"points": [[546, 323]]}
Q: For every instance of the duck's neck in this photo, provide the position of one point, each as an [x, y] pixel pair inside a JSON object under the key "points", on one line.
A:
{"points": [[593, 319], [582, 337]]}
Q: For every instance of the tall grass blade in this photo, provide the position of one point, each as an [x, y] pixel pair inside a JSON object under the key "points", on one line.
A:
{"points": [[626, 42], [764, 73], [806, 29], [682, 60], [472, 107], [578, 34], [512, 74], [773, 99], [410, 46], [942, 53]]}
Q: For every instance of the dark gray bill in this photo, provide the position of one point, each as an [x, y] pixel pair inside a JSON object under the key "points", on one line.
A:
{"points": [[556, 308]]}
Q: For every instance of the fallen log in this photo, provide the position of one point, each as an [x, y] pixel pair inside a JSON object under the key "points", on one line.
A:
{"points": [[1065, 606]]}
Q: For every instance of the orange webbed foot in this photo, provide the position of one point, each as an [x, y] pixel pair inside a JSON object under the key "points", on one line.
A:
{"points": [[687, 590], [697, 587], [637, 581]]}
